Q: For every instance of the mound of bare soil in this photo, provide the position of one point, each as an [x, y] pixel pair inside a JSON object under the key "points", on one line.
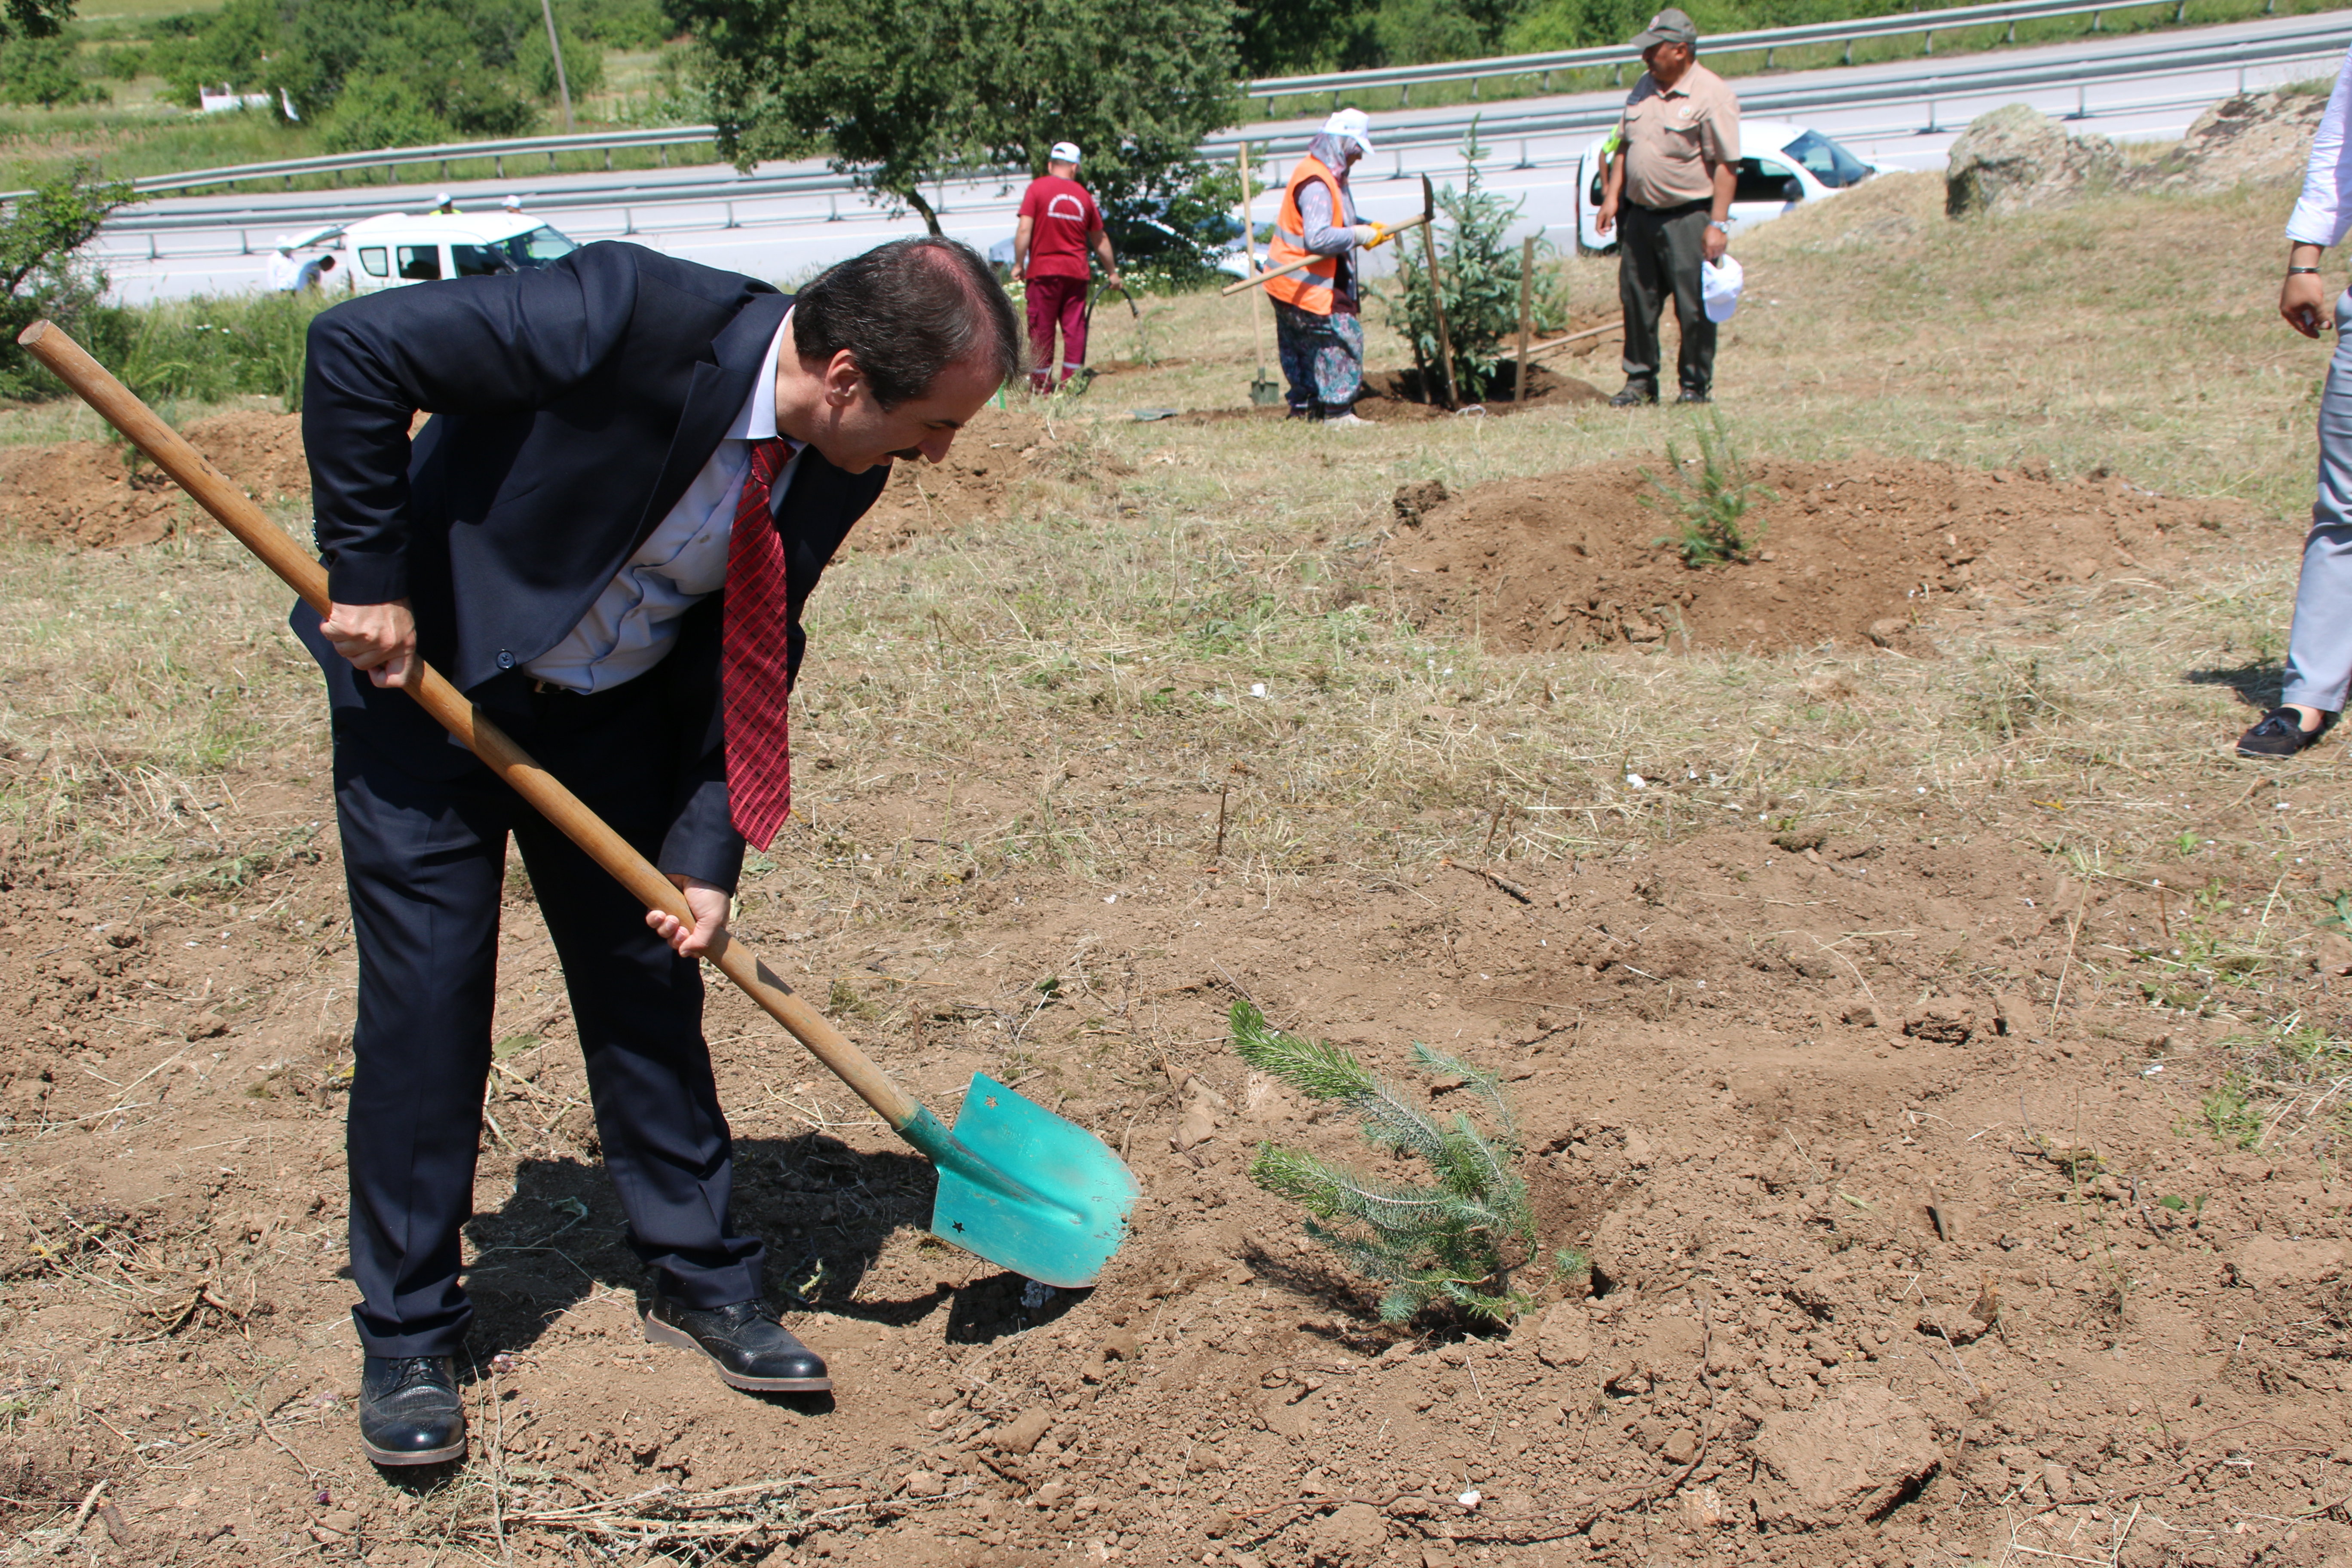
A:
{"points": [[992, 461], [1399, 394], [1850, 1298], [1851, 551], [89, 493]]}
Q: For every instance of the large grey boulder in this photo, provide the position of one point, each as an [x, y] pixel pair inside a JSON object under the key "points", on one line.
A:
{"points": [[2251, 139], [2017, 157]]}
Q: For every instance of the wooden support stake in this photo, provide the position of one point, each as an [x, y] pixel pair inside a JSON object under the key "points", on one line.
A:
{"points": [[1249, 263], [1526, 314], [1437, 306]]}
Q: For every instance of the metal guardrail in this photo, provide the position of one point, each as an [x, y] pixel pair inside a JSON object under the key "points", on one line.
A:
{"points": [[1502, 122], [1769, 40], [444, 154]]}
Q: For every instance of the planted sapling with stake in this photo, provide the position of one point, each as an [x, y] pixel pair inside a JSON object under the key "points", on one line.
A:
{"points": [[1451, 1242]]}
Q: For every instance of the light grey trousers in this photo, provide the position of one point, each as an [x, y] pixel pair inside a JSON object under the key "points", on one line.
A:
{"points": [[2319, 649]]}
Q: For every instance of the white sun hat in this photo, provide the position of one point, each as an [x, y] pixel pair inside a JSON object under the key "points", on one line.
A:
{"points": [[1720, 285], [1063, 152], [1355, 125]]}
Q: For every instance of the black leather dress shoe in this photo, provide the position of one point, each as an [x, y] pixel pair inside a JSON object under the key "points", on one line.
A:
{"points": [[2280, 735], [409, 1410], [744, 1341], [1634, 397], [1688, 395]]}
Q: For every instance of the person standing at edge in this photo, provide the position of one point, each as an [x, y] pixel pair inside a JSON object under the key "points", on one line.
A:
{"points": [[1669, 196], [636, 470], [1318, 326], [2319, 648], [1059, 224]]}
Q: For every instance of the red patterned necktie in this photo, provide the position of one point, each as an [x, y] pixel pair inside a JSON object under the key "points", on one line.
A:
{"points": [[752, 657]]}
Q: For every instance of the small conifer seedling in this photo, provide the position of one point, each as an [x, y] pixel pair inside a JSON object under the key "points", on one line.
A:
{"points": [[1452, 1241]]}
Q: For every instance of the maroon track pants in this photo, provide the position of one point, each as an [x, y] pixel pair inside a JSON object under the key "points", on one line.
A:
{"points": [[1056, 302]]}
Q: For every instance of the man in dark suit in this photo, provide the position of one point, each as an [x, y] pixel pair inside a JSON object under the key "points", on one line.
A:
{"points": [[636, 471]]}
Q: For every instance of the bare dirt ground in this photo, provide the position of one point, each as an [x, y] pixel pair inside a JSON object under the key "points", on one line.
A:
{"points": [[1936, 1048]]}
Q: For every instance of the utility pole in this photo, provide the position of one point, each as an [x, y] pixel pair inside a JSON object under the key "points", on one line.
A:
{"points": [[562, 86]]}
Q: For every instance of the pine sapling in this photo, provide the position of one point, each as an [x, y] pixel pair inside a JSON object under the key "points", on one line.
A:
{"points": [[1450, 1242], [1708, 507]]}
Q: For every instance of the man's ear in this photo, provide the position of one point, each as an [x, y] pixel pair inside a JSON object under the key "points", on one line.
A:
{"points": [[841, 379]]}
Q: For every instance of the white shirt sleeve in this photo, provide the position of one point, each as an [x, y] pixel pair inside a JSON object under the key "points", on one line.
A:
{"points": [[2325, 211]]}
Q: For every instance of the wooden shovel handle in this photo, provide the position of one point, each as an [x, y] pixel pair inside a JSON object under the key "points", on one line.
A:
{"points": [[1256, 277], [213, 490]]}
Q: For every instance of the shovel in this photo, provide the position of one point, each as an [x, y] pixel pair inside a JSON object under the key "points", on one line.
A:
{"points": [[1058, 1220]]}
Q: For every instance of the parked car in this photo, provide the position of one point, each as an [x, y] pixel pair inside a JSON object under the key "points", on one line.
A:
{"points": [[401, 247], [1785, 164]]}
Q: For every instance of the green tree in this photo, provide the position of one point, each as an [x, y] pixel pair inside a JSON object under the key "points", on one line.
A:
{"points": [[36, 70], [33, 18], [384, 72], [1294, 38], [42, 272], [901, 93], [1478, 280]]}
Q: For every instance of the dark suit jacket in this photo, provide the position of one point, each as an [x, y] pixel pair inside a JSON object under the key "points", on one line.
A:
{"points": [[572, 407]]}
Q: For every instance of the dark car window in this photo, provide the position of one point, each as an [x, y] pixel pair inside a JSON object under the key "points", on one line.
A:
{"points": [[479, 260], [372, 257], [1762, 180], [1827, 161], [421, 262]]}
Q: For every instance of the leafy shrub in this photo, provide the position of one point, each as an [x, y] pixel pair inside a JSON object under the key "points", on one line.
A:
{"points": [[1710, 503], [1451, 1243], [40, 71], [42, 272]]}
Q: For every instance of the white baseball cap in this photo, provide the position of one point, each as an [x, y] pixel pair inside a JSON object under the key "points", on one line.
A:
{"points": [[511, 203], [1063, 152], [1720, 285], [1355, 125]]}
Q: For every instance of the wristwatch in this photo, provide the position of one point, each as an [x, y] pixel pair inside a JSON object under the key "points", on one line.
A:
{"points": [[2302, 271]]}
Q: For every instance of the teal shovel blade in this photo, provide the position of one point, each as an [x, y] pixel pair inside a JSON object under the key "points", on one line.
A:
{"points": [[1023, 1188]]}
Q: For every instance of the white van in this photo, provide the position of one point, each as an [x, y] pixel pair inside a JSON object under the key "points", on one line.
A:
{"points": [[1785, 164], [401, 247]]}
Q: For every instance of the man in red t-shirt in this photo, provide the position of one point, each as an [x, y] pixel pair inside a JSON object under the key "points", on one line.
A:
{"points": [[1059, 224]]}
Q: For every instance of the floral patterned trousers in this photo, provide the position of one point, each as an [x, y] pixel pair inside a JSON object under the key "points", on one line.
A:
{"points": [[1322, 358]]}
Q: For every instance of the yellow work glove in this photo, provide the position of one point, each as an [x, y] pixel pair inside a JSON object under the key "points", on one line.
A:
{"points": [[1381, 235]]}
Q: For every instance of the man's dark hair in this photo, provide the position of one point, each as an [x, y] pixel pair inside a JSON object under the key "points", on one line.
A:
{"points": [[906, 311]]}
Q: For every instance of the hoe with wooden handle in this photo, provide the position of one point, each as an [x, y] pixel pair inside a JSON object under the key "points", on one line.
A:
{"points": [[1058, 1220], [1428, 214]]}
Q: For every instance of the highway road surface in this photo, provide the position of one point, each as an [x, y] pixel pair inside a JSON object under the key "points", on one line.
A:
{"points": [[785, 220]]}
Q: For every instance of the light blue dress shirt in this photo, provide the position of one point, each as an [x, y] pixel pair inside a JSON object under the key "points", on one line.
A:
{"points": [[633, 622]]}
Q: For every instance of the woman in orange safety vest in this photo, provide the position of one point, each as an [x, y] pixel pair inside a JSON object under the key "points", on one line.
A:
{"points": [[1317, 327]]}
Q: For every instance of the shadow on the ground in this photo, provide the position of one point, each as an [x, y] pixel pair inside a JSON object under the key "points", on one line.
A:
{"points": [[2257, 685], [825, 1211]]}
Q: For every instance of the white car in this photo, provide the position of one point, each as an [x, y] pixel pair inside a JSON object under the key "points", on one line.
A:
{"points": [[403, 248], [1783, 165]]}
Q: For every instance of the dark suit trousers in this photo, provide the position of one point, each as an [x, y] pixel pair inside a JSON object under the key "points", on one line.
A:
{"points": [[1660, 251], [424, 832]]}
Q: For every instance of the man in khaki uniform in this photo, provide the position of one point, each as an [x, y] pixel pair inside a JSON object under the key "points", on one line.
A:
{"points": [[1668, 196]]}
